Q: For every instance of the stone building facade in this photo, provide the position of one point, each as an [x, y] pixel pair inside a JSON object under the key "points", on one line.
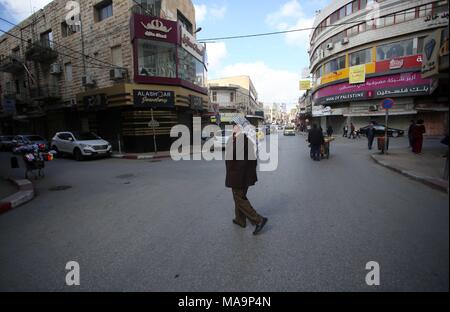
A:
{"points": [[127, 62]]}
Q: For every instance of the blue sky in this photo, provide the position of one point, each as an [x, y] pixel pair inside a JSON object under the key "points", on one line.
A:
{"points": [[275, 63]]}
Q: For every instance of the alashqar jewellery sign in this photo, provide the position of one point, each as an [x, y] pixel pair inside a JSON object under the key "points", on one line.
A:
{"points": [[154, 98]]}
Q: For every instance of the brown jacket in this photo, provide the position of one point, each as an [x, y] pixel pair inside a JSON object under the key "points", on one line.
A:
{"points": [[241, 171]]}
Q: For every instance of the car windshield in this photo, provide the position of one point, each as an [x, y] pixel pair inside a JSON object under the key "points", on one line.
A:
{"points": [[224, 133], [85, 136], [34, 138]]}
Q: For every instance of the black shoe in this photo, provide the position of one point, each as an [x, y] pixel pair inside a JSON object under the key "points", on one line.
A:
{"points": [[237, 223], [260, 226]]}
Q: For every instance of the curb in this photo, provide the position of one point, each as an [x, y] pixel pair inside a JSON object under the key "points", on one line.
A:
{"points": [[435, 183], [24, 195]]}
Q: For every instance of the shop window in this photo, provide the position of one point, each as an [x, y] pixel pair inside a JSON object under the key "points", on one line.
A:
{"points": [[361, 57], [103, 10], [156, 59], [396, 49], [190, 69]]}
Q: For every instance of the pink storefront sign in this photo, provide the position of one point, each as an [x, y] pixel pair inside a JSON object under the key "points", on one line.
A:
{"points": [[375, 85]]}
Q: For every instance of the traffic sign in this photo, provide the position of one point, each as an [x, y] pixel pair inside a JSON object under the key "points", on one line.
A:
{"points": [[387, 103]]}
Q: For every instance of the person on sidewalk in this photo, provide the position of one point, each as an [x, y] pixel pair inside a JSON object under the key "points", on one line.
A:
{"points": [[330, 131], [352, 131], [345, 133], [315, 139], [417, 135], [410, 135], [240, 163], [370, 135]]}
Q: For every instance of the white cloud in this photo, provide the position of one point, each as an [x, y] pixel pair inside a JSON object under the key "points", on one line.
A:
{"points": [[291, 16], [272, 85], [21, 9], [202, 12], [217, 51]]}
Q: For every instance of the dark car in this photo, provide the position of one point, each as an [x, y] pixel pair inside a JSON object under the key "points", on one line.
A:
{"points": [[380, 129], [6, 143], [20, 140]]}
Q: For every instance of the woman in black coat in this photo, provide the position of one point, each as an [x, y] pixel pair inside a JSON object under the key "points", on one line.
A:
{"points": [[240, 163]]}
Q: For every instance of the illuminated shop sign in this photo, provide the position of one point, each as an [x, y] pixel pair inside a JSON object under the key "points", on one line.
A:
{"points": [[154, 98]]}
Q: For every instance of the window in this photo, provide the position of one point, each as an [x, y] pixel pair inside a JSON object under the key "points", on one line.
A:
{"points": [[185, 22], [354, 30], [116, 56], [342, 12], [362, 28], [355, 5], [148, 7], [156, 59], [17, 83], [410, 14], [334, 65], [214, 96], [190, 69], [68, 71], [360, 57], [67, 30], [47, 39], [399, 17], [349, 9], [396, 49], [231, 97], [362, 4], [389, 20], [103, 10]]}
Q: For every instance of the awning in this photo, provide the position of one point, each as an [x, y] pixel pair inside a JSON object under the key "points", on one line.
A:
{"points": [[380, 113]]}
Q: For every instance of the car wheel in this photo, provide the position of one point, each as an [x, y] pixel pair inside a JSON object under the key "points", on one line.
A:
{"points": [[394, 134], [77, 154]]}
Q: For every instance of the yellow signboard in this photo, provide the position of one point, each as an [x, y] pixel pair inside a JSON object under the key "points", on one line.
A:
{"points": [[305, 85], [357, 74]]}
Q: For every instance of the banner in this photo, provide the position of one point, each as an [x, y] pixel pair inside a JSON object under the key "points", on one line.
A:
{"points": [[305, 85], [357, 74]]}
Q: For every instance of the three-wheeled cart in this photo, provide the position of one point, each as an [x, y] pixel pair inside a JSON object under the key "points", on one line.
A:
{"points": [[325, 148]]}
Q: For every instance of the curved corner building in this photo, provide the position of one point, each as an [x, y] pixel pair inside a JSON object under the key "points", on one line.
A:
{"points": [[363, 51]]}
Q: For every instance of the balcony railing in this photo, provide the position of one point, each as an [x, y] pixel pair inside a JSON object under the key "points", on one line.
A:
{"points": [[40, 52], [11, 64]]}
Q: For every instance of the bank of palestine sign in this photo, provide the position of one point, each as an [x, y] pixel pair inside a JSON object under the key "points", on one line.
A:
{"points": [[154, 98]]}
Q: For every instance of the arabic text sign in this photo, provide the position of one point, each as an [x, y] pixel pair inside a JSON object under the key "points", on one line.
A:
{"points": [[190, 44], [154, 98], [145, 27], [357, 74], [431, 45]]}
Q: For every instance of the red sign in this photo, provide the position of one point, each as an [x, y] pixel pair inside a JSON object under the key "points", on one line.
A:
{"points": [[153, 28], [414, 61]]}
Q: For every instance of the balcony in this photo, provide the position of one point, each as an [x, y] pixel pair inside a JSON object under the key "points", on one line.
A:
{"points": [[42, 53], [45, 92], [11, 64]]}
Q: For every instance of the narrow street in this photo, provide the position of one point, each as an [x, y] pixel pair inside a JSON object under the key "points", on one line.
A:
{"points": [[166, 226]]}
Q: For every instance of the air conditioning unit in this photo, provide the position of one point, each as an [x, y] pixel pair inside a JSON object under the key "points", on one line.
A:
{"points": [[117, 73], [344, 40], [373, 108], [330, 46], [88, 80], [55, 69]]}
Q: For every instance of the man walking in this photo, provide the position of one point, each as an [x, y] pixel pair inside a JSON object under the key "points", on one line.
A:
{"points": [[330, 131], [370, 135], [315, 138], [410, 133], [240, 163], [352, 131]]}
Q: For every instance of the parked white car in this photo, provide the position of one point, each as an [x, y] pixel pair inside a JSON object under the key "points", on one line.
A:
{"points": [[80, 145]]}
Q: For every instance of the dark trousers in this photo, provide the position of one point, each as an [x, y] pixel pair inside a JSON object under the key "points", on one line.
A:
{"points": [[370, 141], [243, 209], [315, 152]]}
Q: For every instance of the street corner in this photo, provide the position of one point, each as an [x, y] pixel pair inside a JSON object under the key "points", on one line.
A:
{"points": [[25, 193]]}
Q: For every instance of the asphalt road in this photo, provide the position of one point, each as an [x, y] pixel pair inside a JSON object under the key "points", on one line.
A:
{"points": [[166, 226]]}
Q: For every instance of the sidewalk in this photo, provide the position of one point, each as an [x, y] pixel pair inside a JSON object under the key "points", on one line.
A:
{"points": [[427, 167]]}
